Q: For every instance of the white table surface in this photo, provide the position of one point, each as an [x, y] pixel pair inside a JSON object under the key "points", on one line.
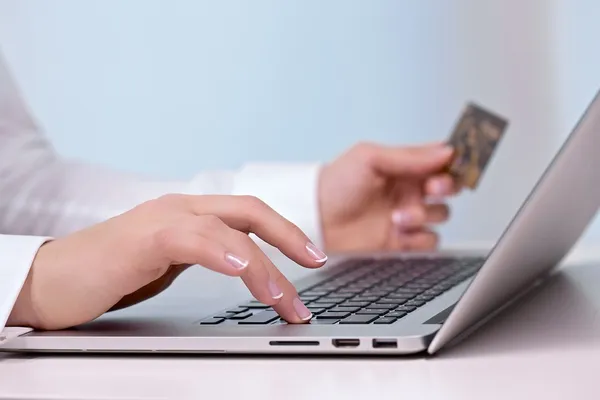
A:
{"points": [[547, 346]]}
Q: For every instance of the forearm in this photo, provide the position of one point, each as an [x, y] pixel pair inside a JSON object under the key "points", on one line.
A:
{"points": [[50, 196], [44, 194]]}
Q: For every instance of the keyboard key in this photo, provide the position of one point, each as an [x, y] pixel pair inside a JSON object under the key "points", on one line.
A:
{"points": [[212, 321], [345, 309], [262, 318], [352, 291], [401, 296], [319, 304], [355, 303], [329, 300], [382, 305], [321, 321], [333, 315], [359, 319], [406, 308], [366, 298], [316, 310], [305, 298], [406, 291], [240, 316], [255, 304], [319, 293], [415, 303], [425, 297], [237, 310], [339, 295], [224, 315], [391, 301], [396, 314], [370, 311], [378, 293], [386, 320]]}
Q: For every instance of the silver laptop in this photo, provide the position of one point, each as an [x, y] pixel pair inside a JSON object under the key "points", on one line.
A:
{"points": [[384, 303]]}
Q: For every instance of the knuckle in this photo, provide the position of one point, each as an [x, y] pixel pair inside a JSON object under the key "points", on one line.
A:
{"points": [[164, 239], [244, 240], [210, 222], [160, 203], [253, 202], [170, 198], [364, 149], [149, 205]]}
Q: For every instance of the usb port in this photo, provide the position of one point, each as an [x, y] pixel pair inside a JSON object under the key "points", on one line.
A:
{"points": [[346, 342], [385, 343]]}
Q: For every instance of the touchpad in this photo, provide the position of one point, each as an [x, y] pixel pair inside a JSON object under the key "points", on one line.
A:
{"points": [[440, 318]]}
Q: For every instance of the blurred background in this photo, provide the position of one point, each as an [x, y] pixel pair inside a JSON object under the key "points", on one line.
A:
{"points": [[173, 87]]}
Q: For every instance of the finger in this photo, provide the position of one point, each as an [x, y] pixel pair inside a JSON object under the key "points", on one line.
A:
{"points": [[409, 161], [266, 283], [257, 277], [289, 307], [437, 213], [424, 240], [249, 214], [441, 186], [184, 245], [410, 217]]}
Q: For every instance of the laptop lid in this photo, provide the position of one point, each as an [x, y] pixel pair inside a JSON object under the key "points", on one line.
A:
{"points": [[551, 220]]}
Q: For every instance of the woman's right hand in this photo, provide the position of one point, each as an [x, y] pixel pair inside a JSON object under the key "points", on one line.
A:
{"points": [[135, 255]]}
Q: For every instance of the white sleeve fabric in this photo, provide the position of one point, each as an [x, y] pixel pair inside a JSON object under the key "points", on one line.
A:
{"points": [[16, 255], [43, 195], [291, 190]]}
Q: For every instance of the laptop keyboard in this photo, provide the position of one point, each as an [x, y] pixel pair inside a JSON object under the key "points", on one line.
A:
{"points": [[366, 291]]}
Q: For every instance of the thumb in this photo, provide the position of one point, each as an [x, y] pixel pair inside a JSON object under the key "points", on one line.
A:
{"points": [[406, 161]]}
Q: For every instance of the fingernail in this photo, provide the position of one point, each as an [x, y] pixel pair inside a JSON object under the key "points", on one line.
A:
{"points": [[315, 253], [401, 218], [235, 261], [444, 151], [440, 187], [276, 292], [303, 312]]}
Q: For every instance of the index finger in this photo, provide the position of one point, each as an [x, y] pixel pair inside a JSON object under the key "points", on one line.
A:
{"points": [[251, 215], [404, 161]]}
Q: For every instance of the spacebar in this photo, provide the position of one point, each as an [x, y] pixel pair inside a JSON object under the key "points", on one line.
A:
{"points": [[263, 317]]}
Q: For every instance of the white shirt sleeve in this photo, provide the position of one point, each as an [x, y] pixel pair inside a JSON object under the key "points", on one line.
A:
{"points": [[43, 195], [17, 252]]}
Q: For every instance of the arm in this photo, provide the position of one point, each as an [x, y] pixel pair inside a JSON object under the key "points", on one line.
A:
{"points": [[43, 195]]}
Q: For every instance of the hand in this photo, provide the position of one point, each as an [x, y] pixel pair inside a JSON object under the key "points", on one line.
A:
{"points": [[135, 255], [376, 198]]}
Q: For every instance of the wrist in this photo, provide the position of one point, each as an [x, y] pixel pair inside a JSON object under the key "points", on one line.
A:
{"points": [[326, 222], [24, 312]]}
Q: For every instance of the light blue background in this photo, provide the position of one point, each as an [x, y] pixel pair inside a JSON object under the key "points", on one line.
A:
{"points": [[172, 87]]}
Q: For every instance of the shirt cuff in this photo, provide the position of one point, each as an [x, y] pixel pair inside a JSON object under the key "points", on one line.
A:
{"points": [[290, 189], [16, 256]]}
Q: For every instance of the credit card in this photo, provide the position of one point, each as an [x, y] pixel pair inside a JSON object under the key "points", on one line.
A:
{"points": [[474, 139]]}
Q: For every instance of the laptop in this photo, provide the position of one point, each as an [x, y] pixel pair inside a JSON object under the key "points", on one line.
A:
{"points": [[393, 304]]}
